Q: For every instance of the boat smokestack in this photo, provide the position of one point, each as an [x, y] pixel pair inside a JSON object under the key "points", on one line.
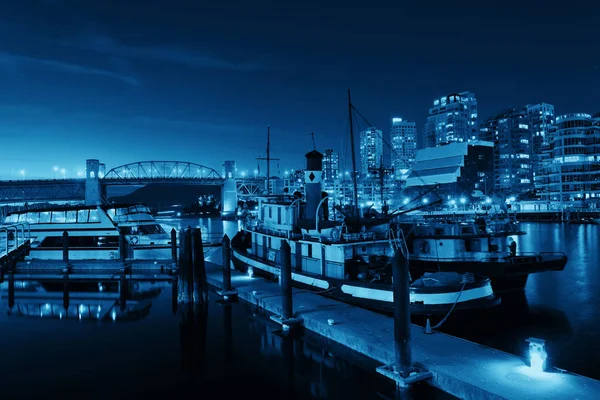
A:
{"points": [[325, 206], [312, 182]]}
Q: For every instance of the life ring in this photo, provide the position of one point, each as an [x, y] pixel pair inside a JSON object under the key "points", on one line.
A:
{"points": [[134, 240], [335, 234]]}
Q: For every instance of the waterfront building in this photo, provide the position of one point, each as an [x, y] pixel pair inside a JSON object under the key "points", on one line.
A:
{"points": [[513, 164], [572, 172], [541, 123], [371, 150], [452, 118], [460, 169], [403, 137], [331, 165]]}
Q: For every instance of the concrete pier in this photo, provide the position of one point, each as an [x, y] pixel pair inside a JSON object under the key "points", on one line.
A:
{"points": [[459, 367]]}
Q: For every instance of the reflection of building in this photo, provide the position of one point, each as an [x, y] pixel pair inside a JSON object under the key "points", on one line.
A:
{"points": [[511, 134], [452, 118], [331, 165], [371, 150], [403, 136], [459, 168], [573, 168]]}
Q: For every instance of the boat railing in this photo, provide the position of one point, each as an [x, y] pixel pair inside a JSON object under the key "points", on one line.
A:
{"points": [[21, 234], [558, 254]]}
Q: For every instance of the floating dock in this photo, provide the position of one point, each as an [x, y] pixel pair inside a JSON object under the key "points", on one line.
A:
{"points": [[459, 367]]}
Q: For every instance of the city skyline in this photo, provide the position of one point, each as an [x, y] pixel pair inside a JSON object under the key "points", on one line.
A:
{"points": [[78, 83]]}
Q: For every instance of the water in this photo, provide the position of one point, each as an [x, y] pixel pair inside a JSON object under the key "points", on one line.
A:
{"points": [[559, 307]]}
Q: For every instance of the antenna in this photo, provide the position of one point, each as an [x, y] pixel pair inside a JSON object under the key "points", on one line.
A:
{"points": [[353, 155], [268, 159]]}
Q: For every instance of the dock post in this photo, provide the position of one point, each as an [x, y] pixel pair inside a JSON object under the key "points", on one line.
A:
{"points": [[228, 332], [122, 247], [174, 245], [11, 290], [66, 292], [286, 319], [199, 268], [402, 370], [185, 282], [65, 243], [228, 292], [123, 292], [174, 296]]}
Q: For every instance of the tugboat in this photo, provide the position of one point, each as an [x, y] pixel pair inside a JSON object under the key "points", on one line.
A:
{"points": [[345, 259], [485, 245], [351, 265]]}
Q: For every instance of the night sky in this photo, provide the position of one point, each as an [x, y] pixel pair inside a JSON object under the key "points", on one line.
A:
{"points": [[199, 81]]}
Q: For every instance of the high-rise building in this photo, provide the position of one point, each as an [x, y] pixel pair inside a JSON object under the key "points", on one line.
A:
{"points": [[371, 150], [513, 165], [541, 122], [403, 136], [331, 165], [452, 118], [572, 172]]}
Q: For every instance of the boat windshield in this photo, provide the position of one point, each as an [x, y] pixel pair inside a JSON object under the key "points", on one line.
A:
{"points": [[143, 230]]}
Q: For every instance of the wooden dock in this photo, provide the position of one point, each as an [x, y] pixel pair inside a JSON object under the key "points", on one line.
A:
{"points": [[459, 367]]}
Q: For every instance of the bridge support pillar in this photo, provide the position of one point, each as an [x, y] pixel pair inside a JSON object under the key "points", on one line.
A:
{"points": [[229, 190], [93, 189]]}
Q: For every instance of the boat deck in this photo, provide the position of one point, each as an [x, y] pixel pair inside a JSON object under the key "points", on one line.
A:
{"points": [[462, 368]]}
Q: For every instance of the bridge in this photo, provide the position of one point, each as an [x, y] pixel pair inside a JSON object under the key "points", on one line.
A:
{"points": [[93, 187]]}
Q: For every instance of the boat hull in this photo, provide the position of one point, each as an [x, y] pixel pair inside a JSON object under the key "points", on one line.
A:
{"points": [[506, 274], [376, 297]]}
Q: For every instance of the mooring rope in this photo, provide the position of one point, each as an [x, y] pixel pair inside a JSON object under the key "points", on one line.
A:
{"points": [[466, 279]]}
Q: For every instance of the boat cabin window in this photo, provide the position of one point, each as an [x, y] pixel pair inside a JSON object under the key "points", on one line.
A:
{"points": [[270, 212], [45, 217], [82, 216], [32, 217], [11, 219], [58, 217], [439, 231], [121, 211], [309, 250], [111, 213], [94, 217], [72, 216]]}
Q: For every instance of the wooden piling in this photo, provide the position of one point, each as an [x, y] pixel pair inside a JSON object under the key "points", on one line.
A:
{"points": [[66, 293], [65, 243], [123, 292], [11, 290], [174, 245], [401, 283], [226, 249], [123, 245], [199, 268], [185, 283], [286, 281]]}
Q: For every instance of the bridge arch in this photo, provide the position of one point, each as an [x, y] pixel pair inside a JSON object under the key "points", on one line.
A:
{"points": [[149, 170]]}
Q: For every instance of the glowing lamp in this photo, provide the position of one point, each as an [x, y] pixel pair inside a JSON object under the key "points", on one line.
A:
{"points": [[250, 272], [537, 354]]}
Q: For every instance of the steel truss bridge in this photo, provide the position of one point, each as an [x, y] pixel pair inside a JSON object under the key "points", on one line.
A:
{"points": [[138, 173]]}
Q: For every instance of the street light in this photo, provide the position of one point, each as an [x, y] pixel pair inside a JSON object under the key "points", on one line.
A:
{"points": [[64, 173], [23, 174], [55, 168]]}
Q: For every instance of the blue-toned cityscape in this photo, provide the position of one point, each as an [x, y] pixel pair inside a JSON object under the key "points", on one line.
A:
{"points": [[336, 201]]}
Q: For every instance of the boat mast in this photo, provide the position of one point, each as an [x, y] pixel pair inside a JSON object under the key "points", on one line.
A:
{"points": [[268, 159], [355, 209]]}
